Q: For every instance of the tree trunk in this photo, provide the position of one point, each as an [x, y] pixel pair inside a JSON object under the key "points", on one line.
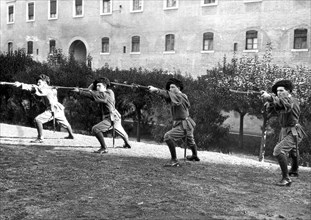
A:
{"points": [[241, 130], [138, 124], [263, 138]]}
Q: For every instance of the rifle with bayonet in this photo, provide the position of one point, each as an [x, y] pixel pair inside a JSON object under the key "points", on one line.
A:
{"points": [[265, 120], [133, 85], [54, 87], [7, 83], [247, 92]]}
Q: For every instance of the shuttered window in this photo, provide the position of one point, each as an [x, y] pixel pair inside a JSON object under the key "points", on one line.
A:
{"points": [[135, 44], [171, 3], [169, 42], [78, 5], [209, 2], [300, 39], [30, 47], [52, 46], [208, 41], [10, 47], [53, 8], [31, 11], [251, 40], [137, 5], [105, 45], [11, 14], [106, 6]]}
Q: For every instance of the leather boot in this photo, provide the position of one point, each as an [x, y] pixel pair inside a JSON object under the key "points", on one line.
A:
{"points": [[294, 169], [194, 156], [194, 151], [100, 138], [285, 181], [171, 145]]}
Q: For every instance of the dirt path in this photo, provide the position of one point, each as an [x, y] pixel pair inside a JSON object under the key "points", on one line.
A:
{"points": [[62, 179]]}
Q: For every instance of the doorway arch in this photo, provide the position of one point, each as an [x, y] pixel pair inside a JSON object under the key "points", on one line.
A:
{"points": [[77, 49]]}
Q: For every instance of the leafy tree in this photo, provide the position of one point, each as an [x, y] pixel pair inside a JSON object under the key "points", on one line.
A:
{"points": [[253, 74]]}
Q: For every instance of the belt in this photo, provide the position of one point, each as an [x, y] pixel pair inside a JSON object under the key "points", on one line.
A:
{"points": [[181, 119]]}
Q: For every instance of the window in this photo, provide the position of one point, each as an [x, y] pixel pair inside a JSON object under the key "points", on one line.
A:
{"points": [[209, 2], [170, 4], [52, 46], [30, 47], [78, 8], [30, 11], [136, 44], [251, 40], [10, 47], [300, 39], [52, 9], [11, 15], [105, 45], [169, 42], [250, 1], [137, 5], [208, 39], [106, 7]]}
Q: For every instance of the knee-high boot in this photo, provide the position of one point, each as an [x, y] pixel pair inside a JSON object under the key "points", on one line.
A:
{"points": [[294, 168], [194, 156], [194, 150], [171, 145], [286, 181]]}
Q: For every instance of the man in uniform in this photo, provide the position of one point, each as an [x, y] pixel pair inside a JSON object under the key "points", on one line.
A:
{"points": [[111, 118], [54, 111], [183, 125], [283, 103]]}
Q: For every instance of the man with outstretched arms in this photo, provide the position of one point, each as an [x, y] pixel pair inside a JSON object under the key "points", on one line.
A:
{"points": [[183, 125], [54, 110], [287, 107], [111, 118]]}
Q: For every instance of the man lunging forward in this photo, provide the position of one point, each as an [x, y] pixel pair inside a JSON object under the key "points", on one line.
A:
{"points": [[54, 110], [110, 115], [283, 103], [183, 125]]}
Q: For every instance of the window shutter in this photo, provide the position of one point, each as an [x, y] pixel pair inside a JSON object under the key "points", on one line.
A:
{"points": [[301, 32], [53, 6], [30, 9], [11, 10], [78, 2], [30, 47]]}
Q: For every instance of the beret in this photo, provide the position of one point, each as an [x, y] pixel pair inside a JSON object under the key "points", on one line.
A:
{"points": [[287, 84], [174, 81]]}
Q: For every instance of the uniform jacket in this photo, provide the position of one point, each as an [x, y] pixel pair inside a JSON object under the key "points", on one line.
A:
{"points": [[289, 112], [106, 100], [179, 108], [48, 95]]}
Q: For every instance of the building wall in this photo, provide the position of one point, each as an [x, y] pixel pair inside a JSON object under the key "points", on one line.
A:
{"points": [[229, 20]]}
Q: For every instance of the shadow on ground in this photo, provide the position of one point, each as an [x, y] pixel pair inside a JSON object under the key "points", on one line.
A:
{"points": [[42, 183]]}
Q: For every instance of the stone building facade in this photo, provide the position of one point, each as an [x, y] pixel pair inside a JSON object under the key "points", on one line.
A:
{"points": [[176, 35]]}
